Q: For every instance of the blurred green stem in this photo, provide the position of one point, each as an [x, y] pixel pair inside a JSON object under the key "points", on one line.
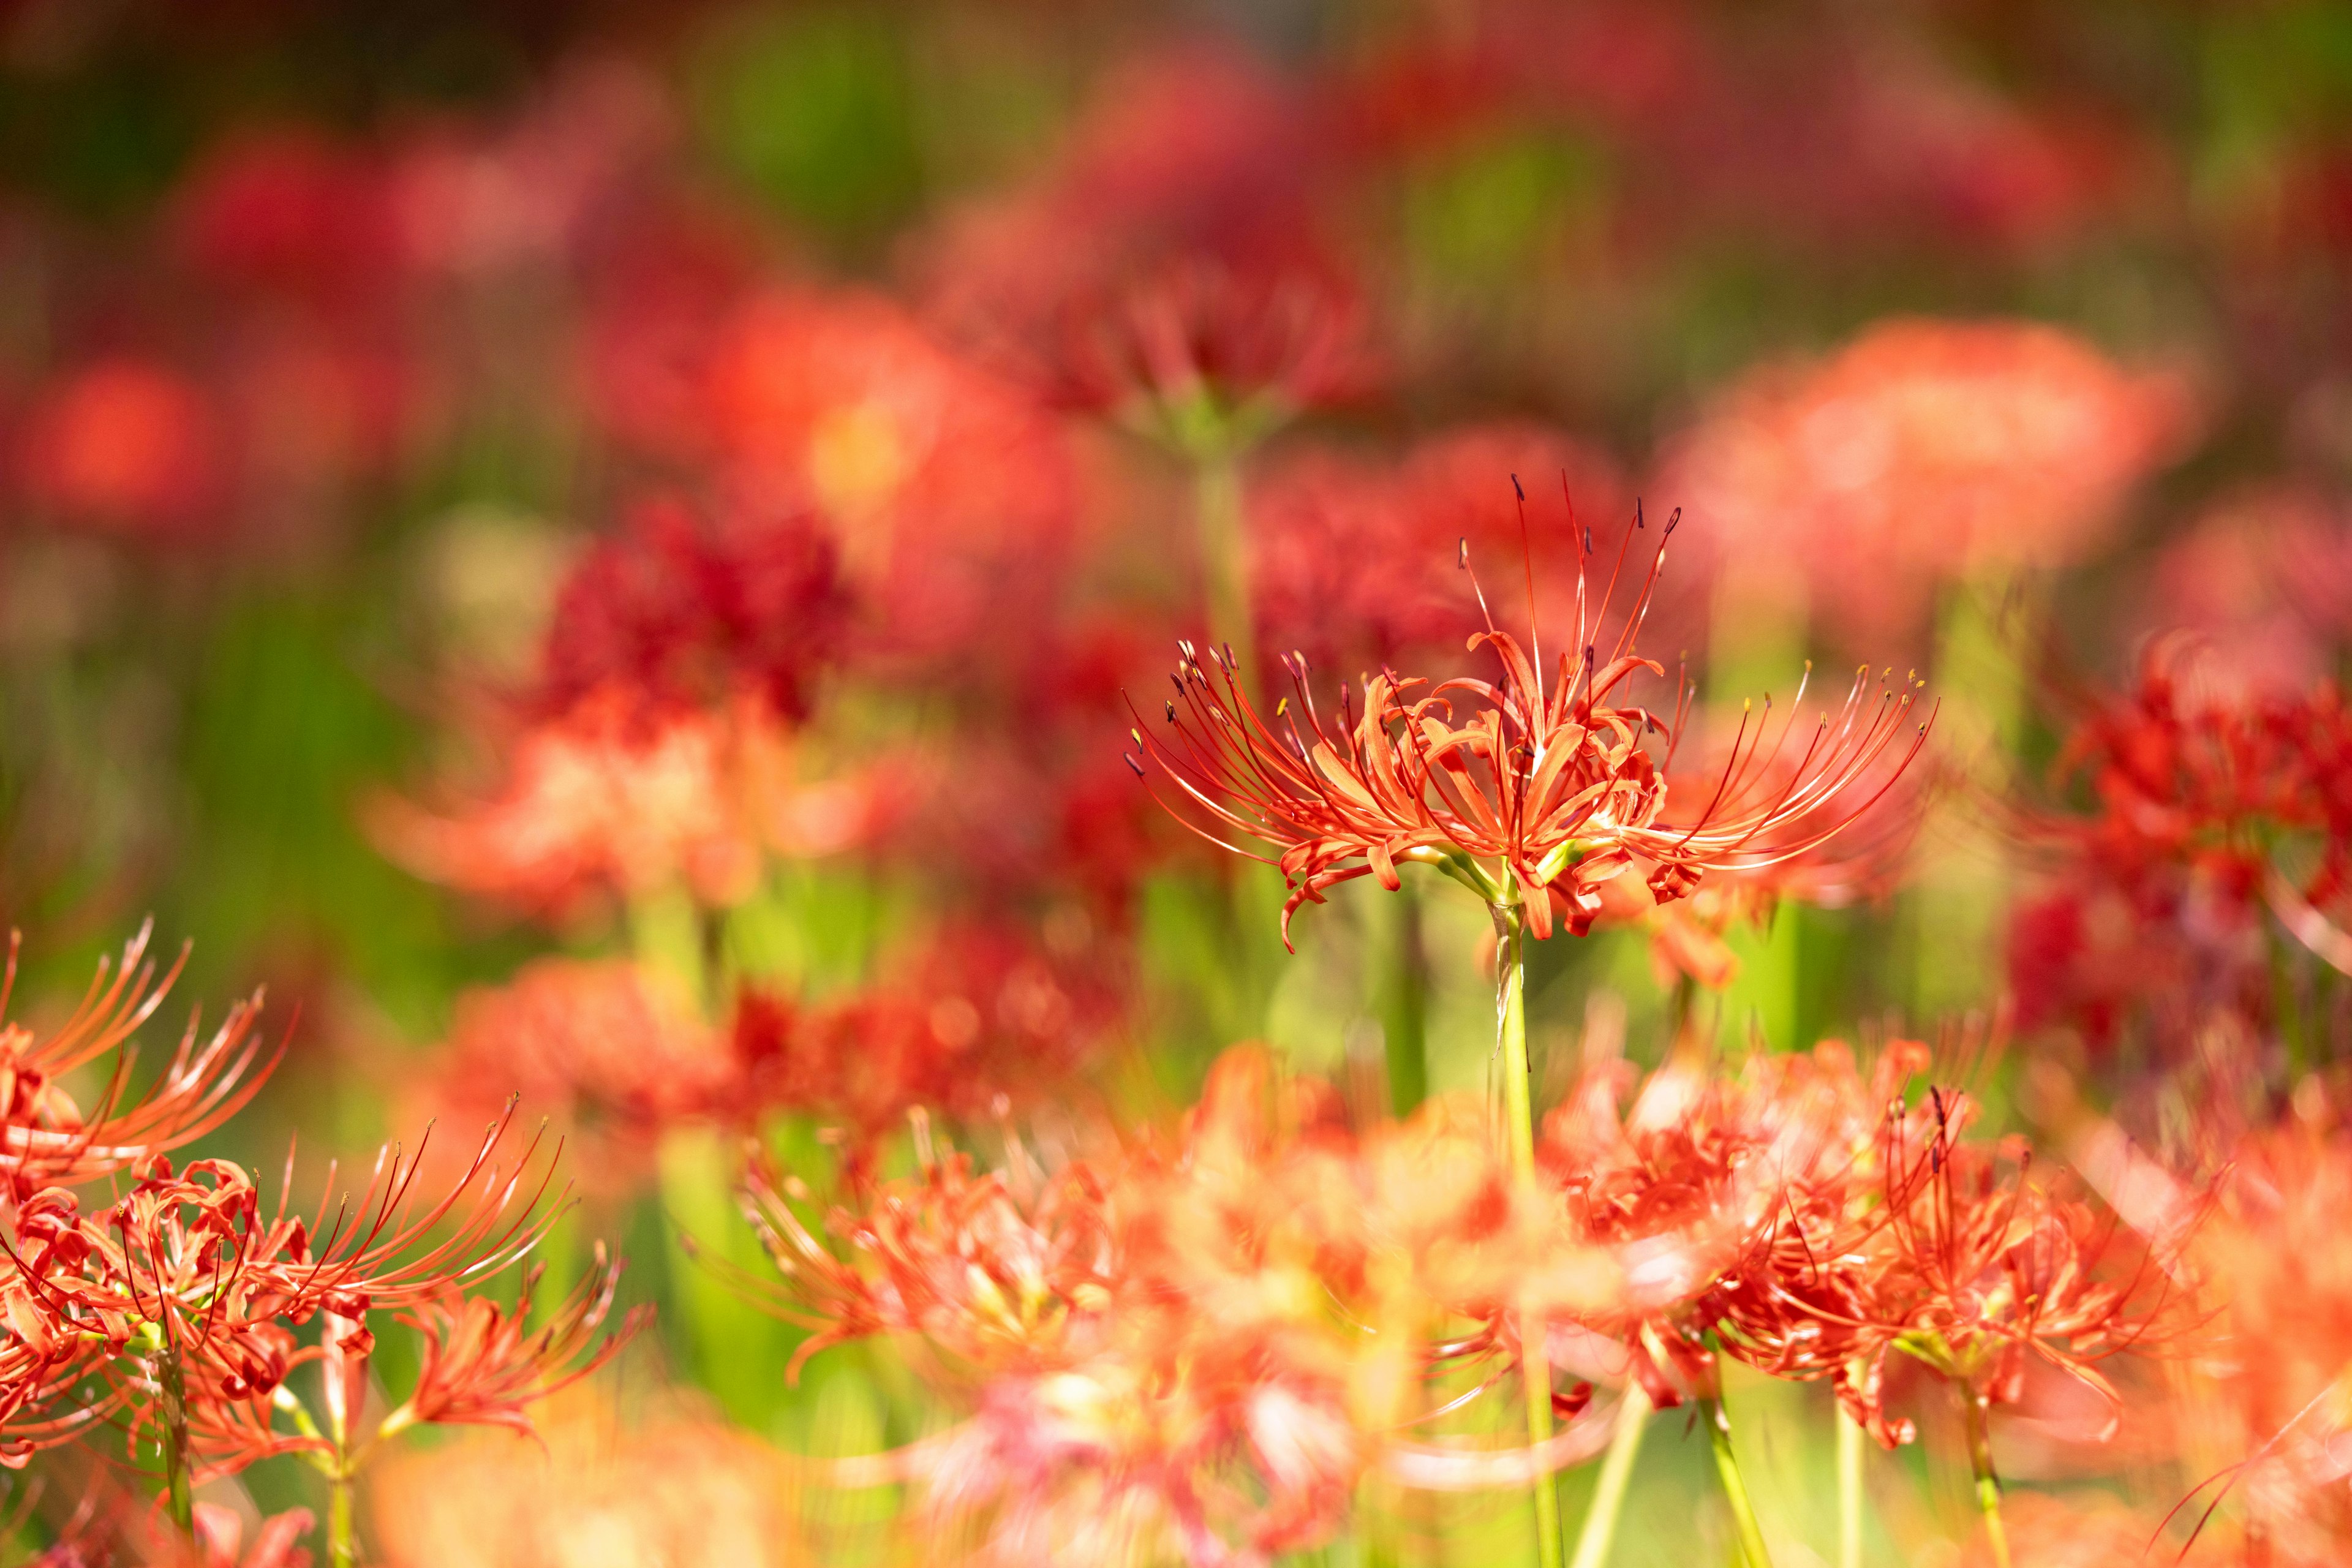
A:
{"points": [[1980, 1425], [666, 937], [1519, 1111], [179, 1504], [1735, 1487], [343, 1531], [1403, 990], [1600, 1527], [1851, 1439], [1224, 553]]}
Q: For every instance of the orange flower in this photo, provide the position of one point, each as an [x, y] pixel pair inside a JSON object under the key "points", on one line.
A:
{"points": [[680, 1491], [1518, 789], [1198, 1353], [48, 1140], [1924, 449], [612, 798], [602, 1046], [480, 1367]]}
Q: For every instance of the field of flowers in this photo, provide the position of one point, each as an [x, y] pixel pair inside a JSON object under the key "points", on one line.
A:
{"points": [[1064, 784]]}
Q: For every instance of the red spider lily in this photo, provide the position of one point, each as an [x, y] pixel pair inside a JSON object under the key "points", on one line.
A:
{"points": [[1202, 357], [128, 1535], [1926, 449], [1968, 1264], [975, 1018], [1686, 1192], [1169, 269], [179, 1300], [948, 492], [46, 1139], [693, 616], [2270, 1399], [481, 1368], [2201, 801], [678, 1489], [613, 799], [1316, 516], [1534, 789], [1202, 1352], [600, 1046], [126, 446]]}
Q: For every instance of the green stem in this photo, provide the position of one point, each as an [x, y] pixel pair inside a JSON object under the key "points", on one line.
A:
{"points": [[1224, 552], [1980, 1425], [1851, 1439], [1734, 1488], [178, 1501], [1404, 985], [1600, 1527], [1519, 1111], [342, 1530]]}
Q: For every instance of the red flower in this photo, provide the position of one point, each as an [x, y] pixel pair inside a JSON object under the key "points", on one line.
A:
{"points": [[125, 444], [1922, 451], [693, 615], [1517, 788]]}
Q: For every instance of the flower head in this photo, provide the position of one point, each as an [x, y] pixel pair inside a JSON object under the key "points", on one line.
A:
{"points": [[1922, 451], [1518, 787], [694, 615]]}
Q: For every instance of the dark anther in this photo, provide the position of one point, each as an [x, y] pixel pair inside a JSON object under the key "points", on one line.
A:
{"points": [[1131, 763]]}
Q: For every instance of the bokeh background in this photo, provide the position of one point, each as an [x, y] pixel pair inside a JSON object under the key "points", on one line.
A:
{"points": [[378, 380]]}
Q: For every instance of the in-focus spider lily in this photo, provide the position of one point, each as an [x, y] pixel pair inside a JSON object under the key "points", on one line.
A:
{"points": [[1527, 791]]}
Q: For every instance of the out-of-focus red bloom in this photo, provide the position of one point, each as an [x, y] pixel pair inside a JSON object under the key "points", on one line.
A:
{"points": [[125, 444], [1964, 1260], [2271, 1389], [975, 1018], [610, 798], [115, 1530], [472, 203], [1921, 450], [1169, 268], [693, 615], [948, 492], [1686, 1191], [2263, 585], [288, 213], [2207, 809], [1519, 789], [682, 1489], [1198, 1354], [600, 1046], [1317, 517]]}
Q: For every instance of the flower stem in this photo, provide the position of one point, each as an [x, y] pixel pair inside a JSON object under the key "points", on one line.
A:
{"points": [[342, 1530], [1404, 988], [1980, 1425], [1225, 551], [1600, 1527], [1734, 1488], [1850, 1455], [179, 1504], [1518, 1112]]}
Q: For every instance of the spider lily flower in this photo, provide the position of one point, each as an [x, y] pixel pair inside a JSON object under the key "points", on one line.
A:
{"points": [[1698, 1190], [178, 1301], [1969, 1264], [48, 1140], [2203, 800], [482, 1368], [1517, 787], [1198, 1352]]}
